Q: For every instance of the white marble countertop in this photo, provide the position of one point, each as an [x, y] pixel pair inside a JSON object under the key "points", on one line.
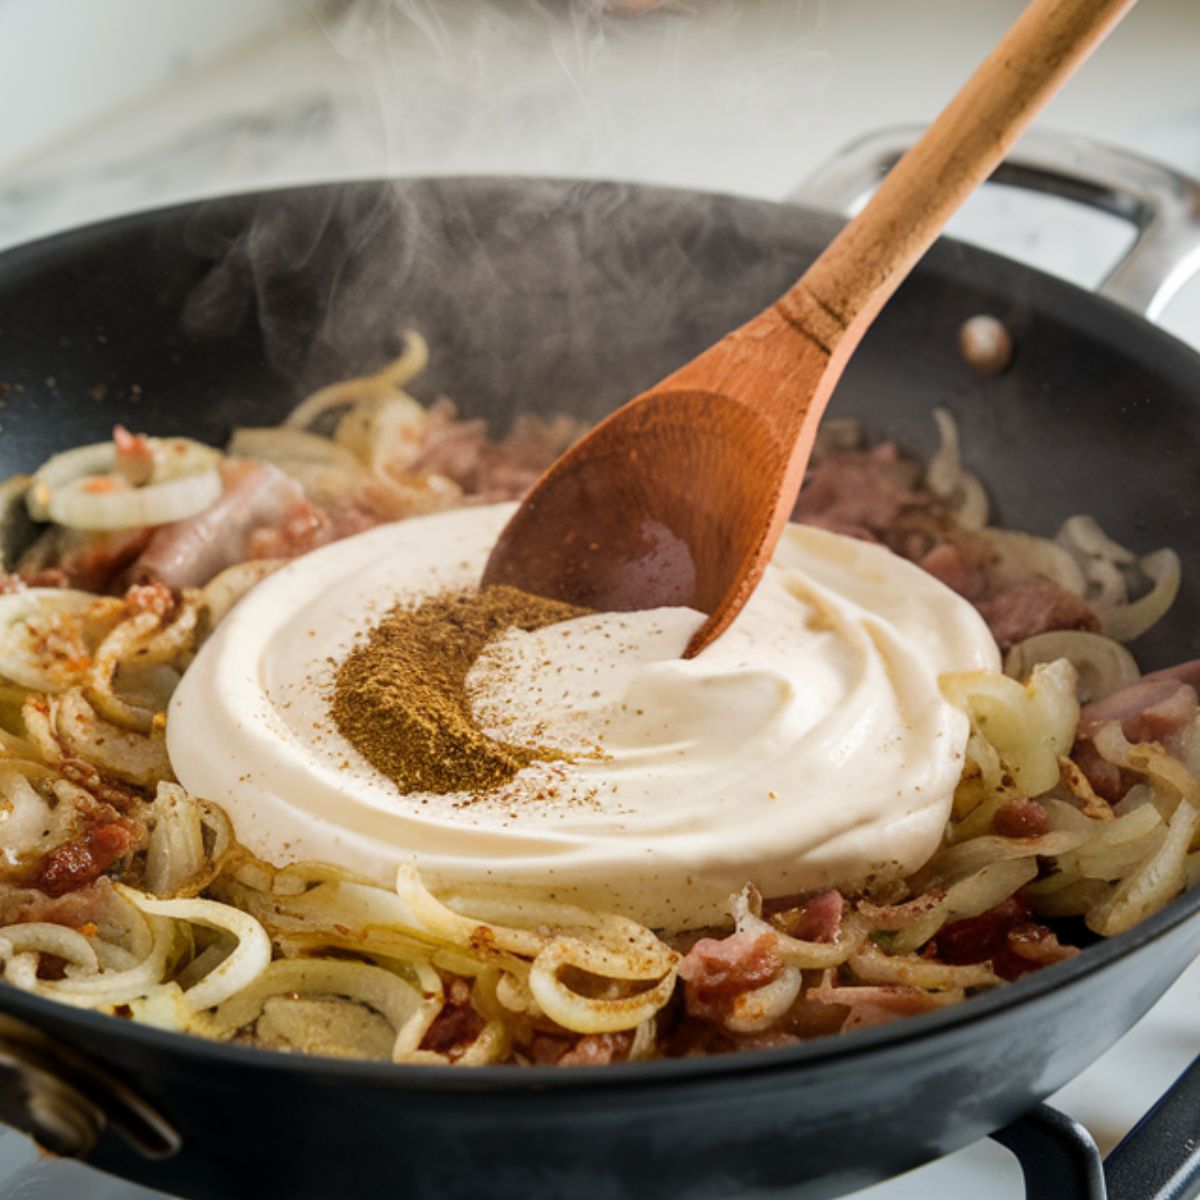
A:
{"points": [[748, 98]]}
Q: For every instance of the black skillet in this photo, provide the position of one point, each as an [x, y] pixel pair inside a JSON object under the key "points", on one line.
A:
{"points": [[554, 296]]}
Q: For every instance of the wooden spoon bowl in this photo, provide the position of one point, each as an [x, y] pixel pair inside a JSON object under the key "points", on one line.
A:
{"points": [[675, 497], [648, 535]]}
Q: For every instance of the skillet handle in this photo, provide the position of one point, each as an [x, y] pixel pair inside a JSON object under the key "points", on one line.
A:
{"points": [[1058, 1157], [1162, 204], [1159, 1159], [65, 1103]]}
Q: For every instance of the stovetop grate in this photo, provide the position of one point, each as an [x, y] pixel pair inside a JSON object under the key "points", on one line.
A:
{"points": [[1159, 1159]]}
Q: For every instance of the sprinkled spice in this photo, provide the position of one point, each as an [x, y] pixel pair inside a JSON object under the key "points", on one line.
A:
{"points": [[400, 695]]}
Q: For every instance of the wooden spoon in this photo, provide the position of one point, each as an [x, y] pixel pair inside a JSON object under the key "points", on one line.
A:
{"points": [[680, 496]]}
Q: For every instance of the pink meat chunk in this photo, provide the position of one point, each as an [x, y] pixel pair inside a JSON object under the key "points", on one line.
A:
{"points": [[1035, 606], [957, 568], [596, 1050], [874, 1004], [490, 471], [1149, 711], [818, 919], [716, 971], [256, 497], [858, 493]]}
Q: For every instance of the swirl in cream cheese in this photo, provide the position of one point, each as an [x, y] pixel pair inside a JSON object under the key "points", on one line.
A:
{"points": [[808, 747]]}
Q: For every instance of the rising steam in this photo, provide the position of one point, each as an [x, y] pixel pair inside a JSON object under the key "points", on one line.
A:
{"points": [[577, 88]]}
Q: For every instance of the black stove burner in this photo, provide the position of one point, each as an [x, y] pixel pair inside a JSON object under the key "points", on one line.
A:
{"points": [[1159, 1159]]}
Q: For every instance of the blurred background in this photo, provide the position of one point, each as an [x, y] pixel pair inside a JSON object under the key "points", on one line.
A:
{"points": [[110, 106], [127, 104]]}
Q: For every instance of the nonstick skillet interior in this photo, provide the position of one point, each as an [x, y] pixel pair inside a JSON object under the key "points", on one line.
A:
{"points": [[546, 296]]}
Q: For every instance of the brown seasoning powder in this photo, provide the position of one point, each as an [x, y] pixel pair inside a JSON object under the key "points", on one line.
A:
{"points": [[400, 695]]}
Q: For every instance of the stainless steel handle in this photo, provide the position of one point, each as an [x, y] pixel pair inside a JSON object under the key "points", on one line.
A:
{"points": [[1161, 204], [65, 1102]]}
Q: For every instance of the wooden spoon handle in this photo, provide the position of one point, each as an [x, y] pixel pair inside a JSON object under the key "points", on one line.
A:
{"points": [[865, 263]]}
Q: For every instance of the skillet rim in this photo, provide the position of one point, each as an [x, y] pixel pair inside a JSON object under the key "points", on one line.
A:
{"points": [[1060, 300]]}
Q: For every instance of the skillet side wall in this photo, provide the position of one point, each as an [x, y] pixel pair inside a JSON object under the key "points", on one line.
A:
{"points": [[552, 296], [818, 1129]]}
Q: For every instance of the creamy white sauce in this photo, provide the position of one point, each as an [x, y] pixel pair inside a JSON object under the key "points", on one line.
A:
{"points": [[808, 747]]}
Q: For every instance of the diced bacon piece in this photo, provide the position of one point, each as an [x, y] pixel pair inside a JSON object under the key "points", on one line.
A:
{"points": [[1020, 819], [149, 598], [453, 1028], [596, 1050], [1188, 672], [452, 447], [1149, 710], [303, 529], [94, 561], [874, 1004], [490, 471], [716, 971], [859, 490], [511, 467], [355, 515], [457, 1025], [1164, 717], [815, 920], [79, 862], [545, 1051], [1035, 606], [957, 568], [976, 939], [188, 553], [1005, 935], [689, 1037], [81, 907]]}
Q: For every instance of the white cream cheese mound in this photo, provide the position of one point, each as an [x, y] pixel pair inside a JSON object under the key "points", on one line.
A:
{"points": [[808, 747]]}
